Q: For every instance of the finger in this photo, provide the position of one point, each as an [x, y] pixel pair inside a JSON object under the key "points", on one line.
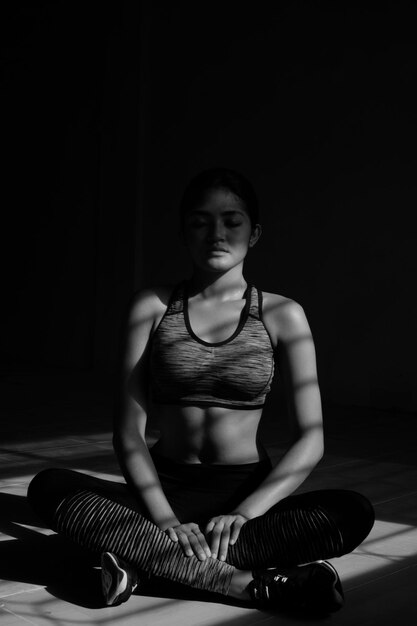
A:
{"points": [[210, 526], [172, 534], [235, 532], [215, 539], [224, 543], [197, 548], [185, 544], [203, 542]]}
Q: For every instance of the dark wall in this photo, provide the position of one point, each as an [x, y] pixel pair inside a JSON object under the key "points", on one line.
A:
{"points": [[315, 102], [70, 144], [111, 107]]}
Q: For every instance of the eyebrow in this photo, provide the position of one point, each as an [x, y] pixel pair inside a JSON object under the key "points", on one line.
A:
{"points": [[228, 212]]}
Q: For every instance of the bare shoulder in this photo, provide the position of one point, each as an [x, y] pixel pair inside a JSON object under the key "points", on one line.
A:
{"points": [[284, 318], [150, 304]]}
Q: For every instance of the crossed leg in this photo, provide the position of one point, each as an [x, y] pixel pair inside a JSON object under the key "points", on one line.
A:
{"points": [[103, 516]]}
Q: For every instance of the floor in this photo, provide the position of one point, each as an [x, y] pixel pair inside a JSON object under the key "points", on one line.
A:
{"points": [[59, 420]]}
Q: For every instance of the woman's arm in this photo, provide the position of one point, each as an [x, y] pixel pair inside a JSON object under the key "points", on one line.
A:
{"points": [[297, 365], [131, 413], [129, 429], [290, 331]]}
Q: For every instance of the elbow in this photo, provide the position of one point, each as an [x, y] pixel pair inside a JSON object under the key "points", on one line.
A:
{"points": [[314, 441], [117, 442], [120, 441], [319, 445], [320, 450], [126, 440]]}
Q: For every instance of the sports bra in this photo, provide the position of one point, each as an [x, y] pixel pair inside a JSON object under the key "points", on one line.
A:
{"points": [[188, 371]]}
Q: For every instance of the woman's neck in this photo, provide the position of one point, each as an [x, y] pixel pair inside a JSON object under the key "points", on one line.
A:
{"points": [[229, 285]]}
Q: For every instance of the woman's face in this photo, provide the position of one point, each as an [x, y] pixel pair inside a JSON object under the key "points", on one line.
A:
{"points": [[218, 232]]}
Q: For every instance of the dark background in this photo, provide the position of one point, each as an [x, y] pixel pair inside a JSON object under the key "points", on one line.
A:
{"points": [[110, 107]]}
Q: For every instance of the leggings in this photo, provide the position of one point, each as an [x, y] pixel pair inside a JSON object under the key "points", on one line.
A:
{"points": [[103, 516]]}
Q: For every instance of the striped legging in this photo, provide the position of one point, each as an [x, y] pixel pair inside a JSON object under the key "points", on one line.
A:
{"points": [[102, 516]]}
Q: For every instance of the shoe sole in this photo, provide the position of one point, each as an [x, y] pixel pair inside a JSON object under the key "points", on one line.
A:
{"points": [[114, 580], [333, 597]]}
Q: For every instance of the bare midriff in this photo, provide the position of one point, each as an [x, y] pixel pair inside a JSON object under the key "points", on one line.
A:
{"points": [[215, 435]]}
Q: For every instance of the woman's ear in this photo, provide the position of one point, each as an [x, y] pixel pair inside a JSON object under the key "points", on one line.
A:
{"points": [[256, 233]]}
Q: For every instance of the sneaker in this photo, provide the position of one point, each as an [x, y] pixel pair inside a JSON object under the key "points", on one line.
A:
{"points": [[118, 579], [314, 587]]}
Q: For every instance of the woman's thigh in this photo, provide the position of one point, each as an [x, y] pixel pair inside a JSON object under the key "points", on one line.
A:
{"points": [[302, 528], [351, 512], [48, 488]]}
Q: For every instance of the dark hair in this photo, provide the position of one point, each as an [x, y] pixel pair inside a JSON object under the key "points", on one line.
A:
{"points": [[220, 178]]}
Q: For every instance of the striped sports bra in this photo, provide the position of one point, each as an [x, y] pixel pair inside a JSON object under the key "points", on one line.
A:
{"points": [[188, 371]]}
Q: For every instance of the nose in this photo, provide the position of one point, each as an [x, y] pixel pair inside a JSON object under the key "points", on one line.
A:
{"points": [[217, 231]]}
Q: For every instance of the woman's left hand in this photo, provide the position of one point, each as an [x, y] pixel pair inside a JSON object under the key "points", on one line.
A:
{"points": [[224, 531]]}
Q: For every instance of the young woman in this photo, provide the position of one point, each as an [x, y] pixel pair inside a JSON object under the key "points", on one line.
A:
{"points": [[204, 507]]}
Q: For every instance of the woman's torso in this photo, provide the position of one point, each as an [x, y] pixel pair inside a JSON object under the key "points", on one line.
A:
{"points": [[218, 429], [212, 435]]}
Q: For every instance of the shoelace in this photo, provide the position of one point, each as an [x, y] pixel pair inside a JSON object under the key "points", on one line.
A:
{"points": [[261, 591], [281, 578], [278, 578]]}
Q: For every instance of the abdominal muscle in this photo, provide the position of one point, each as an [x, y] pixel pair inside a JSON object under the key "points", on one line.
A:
{"points": [[213, 435]]}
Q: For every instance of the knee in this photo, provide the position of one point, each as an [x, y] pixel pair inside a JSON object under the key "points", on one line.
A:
{"points": [[365, 512], [42, 482], [38, 484], [358, 518], [44, 491]]}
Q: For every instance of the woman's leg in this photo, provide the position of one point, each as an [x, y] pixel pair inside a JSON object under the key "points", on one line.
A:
{"points": [[74, 505], [303, 528], [101, 516]]}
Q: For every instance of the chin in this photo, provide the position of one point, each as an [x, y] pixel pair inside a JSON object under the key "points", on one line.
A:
{"points": [[220, 264], [211, 267], [216, 268]]}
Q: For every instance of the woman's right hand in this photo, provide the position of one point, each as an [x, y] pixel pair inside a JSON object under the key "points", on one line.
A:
{"points": [[191, 539]]}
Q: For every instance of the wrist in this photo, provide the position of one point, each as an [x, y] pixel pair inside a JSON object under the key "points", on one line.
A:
{"points": [[241, 512], [166, 523]]}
